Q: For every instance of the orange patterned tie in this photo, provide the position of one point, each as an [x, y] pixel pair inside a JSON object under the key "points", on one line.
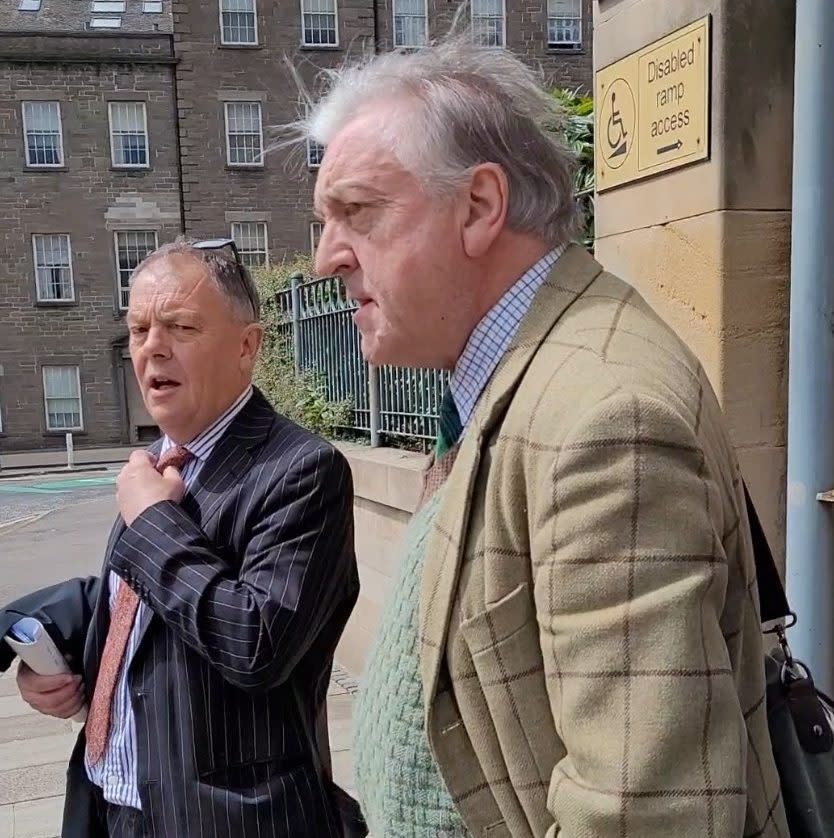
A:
{"points": [[122, 616]]}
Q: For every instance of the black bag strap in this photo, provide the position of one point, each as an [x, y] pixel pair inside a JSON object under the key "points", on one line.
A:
{"points": [[773, 601]]}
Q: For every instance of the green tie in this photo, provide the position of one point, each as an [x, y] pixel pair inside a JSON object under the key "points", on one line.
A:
{"points": [[449, 427]]}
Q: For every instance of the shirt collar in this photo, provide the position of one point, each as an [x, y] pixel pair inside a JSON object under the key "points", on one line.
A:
{"points": [[203, 444], [492, 337]]}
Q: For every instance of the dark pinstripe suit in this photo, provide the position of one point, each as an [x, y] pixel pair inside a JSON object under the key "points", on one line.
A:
{"points": [[251, 581]]}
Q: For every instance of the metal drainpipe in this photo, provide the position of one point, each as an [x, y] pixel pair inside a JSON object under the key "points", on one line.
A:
{"points": [[810, 522]]}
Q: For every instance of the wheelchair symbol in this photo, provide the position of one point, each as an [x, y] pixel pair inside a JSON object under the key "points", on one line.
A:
{"points": [[619, 127], [619, 144]]}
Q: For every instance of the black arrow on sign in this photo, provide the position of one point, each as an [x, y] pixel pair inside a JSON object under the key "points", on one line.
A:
{"points": [[667, 148]]}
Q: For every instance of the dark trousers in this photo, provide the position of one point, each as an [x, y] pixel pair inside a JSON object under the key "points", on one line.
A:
{"points": [[124, 822]]}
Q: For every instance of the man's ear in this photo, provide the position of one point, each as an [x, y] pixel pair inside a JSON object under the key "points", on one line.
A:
{"points": [[251, 344], [488, 198]]}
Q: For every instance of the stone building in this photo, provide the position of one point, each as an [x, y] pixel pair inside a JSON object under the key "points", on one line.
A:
{"points": [[126, 122]]}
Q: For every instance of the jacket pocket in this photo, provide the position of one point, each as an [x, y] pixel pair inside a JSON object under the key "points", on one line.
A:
{"points": [[506, 652]]}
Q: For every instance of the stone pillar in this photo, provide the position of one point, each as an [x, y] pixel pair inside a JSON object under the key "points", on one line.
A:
{"points": [[708, 245]]}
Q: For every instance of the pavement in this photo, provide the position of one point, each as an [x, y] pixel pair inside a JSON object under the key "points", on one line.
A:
{"points": [[54, 527]]}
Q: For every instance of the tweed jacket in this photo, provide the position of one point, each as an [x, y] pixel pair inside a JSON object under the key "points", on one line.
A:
{"points": [[590, 644]]}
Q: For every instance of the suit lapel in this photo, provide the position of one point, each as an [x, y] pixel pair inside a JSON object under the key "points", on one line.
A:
{"points": [[570, 277], [100, 623], [229, 460]]}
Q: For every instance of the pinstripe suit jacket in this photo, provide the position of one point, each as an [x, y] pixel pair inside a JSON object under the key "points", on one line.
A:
{"points": [[591, 652], [250, 581]]}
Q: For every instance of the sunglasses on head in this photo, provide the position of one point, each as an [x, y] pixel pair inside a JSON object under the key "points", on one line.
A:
{"points": [[219, 244]]}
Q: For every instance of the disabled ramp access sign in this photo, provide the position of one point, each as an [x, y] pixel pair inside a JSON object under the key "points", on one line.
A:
{"points": [[653, 108]]}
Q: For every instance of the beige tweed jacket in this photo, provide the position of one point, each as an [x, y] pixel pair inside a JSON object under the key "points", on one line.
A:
{"points": [[591, 651]]}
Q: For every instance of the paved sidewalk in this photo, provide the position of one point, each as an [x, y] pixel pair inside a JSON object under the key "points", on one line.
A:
{"points": [[34, 750]]}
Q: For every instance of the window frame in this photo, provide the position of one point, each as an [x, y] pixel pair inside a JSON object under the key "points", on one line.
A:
{"points": [[116, 233], [80, 426], [224, 42], [313, 225], [394, 27], [29, 165], [503, 44], [567, 45], [241, 250], [259, 164], [310, 45], [144, 107], [47, 300]]}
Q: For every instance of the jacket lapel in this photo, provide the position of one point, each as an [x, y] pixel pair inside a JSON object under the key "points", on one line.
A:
{"points": [[229, 460], [570, 277]]}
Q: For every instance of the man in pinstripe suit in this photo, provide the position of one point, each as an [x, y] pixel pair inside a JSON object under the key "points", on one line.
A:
{"points": [[206, 645]]}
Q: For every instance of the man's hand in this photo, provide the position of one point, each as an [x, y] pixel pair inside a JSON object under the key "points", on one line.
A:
{"points": [[139, 486], [61, 696]]}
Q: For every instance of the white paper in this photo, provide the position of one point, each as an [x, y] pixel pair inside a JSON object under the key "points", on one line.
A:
{"points": [[33, 645]]}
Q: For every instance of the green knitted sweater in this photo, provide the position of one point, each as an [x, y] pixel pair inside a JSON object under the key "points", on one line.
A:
{"points": [[399, 786]]}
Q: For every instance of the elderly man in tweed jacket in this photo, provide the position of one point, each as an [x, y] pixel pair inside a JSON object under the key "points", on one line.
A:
{"points": [[572, 647]]}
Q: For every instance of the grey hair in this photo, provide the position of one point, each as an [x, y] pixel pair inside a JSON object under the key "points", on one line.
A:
{"points": [[474, 106], [233, 280]]}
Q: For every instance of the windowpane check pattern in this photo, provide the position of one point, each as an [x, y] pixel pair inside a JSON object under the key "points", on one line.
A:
{"points": [[53, 267], [238, 22], [62, 398], [244, 134], [320, 22], [564, 23], [42, 127], [128, 134], [250, 238], [132, 246], [488, 22], [410, 23]]}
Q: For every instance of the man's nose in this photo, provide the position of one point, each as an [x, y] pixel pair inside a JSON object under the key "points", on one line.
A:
{"points": [[158, 342], [334, 255]]}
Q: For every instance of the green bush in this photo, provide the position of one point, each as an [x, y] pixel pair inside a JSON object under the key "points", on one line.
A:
{"points": [[298, 396], [579, 136]]}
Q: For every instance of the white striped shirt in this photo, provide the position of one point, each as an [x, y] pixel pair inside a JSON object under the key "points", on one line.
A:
{"points": [[116, 773], [491, 338]]}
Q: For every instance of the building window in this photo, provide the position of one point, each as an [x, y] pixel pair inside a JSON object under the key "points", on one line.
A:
{"points": [[564, 23], [238, 22], [152, 7], [29, 6], [129, 135], [488, 21], [106, 23], [316, 229], [250, 238], [42, 131], [132, 246], [315, 153], [109, 6], [53, 268], [62, 399], [410, 23], [320, 23], [244, 134]]}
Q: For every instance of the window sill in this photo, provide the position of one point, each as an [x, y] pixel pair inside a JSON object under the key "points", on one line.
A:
{"points": [[242, 167], [566, 50], [46, 169], [56, 303], [320, 47], [64, 433], [130, 170], [240, 46]]}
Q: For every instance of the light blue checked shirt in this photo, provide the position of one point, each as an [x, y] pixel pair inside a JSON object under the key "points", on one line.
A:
{"points": [[115, 773], [492, 336]]}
